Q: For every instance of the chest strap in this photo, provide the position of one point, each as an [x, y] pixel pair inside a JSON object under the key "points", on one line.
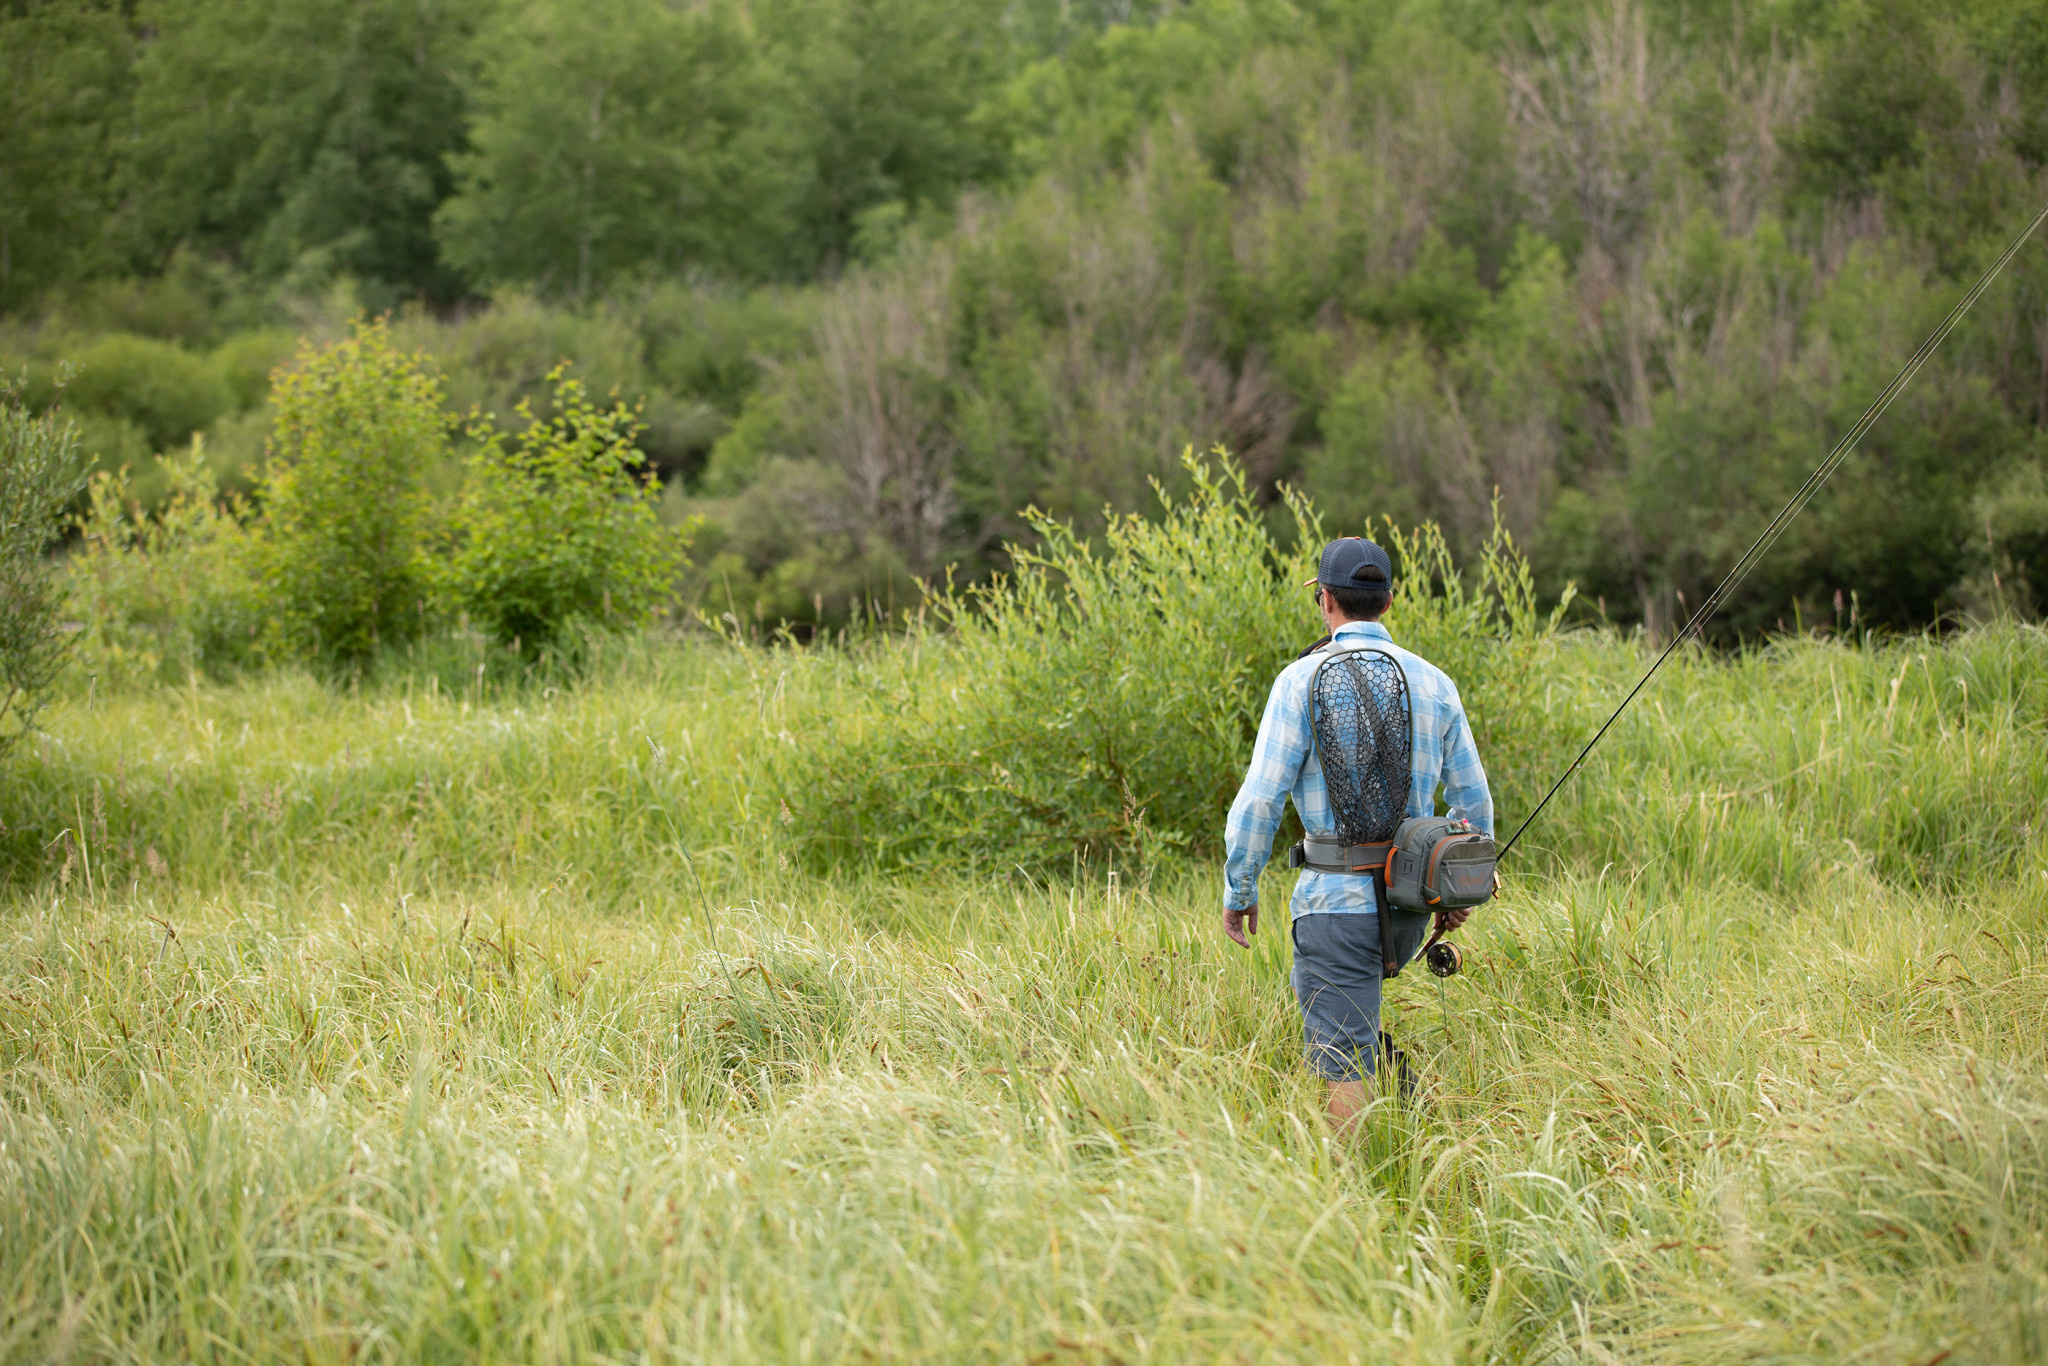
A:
{"points": [[1328, 854]]}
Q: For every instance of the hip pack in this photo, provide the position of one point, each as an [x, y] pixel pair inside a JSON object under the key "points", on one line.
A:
{"points": [[1439, 864]]}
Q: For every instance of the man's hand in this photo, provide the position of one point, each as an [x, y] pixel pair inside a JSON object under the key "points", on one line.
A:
{"points": [[1239, 923]]}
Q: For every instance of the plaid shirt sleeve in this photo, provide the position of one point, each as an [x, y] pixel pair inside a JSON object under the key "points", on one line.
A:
{"points": [[1465, 791], [1277, 757]]}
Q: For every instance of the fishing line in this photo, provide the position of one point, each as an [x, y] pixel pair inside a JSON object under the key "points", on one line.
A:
{"points": [[1770, 534]]}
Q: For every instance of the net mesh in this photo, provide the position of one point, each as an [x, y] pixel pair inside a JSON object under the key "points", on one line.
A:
{"points": [[1361, 725]]}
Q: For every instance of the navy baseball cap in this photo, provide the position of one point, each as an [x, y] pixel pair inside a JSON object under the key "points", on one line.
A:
{"points": [[1354, 562]]}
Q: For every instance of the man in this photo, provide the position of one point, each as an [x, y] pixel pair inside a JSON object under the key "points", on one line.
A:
{"points": [[1337, 958]]}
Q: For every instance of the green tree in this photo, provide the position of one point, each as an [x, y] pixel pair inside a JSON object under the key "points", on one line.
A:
{"points": [[344, 496], [886, 94], [621, 136], [561, 527], [310, 137], [1880, 91], [64, 83], [40, 473]]}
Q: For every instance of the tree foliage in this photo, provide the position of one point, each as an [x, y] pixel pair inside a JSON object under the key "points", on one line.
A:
{"points": [[883, 272], [303, 140], [343, 496], [640, 136], [559, 529], [39, 475], [616, 137], [66, 74]]}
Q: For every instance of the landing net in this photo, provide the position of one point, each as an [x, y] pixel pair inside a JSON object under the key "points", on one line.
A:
{"points": [[1360, 705]]}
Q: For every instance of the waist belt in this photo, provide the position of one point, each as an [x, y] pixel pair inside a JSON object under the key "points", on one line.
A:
{"points": [[1328, 854]]}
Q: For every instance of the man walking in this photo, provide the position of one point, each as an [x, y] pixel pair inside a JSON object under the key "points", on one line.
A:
{"points": [[1338, 965]]}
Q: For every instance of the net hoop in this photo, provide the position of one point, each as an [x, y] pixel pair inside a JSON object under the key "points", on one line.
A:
{"points": [[1362, 720]]}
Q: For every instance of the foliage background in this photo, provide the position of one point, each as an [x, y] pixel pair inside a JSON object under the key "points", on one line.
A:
{"points": [[885, 272], [40, 473]]}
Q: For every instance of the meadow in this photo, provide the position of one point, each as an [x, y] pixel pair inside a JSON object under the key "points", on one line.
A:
{"points": [[458, 1014], [444, 917]]}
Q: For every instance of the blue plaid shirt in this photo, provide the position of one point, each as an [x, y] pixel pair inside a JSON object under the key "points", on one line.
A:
{"points": [[1283, 765]]}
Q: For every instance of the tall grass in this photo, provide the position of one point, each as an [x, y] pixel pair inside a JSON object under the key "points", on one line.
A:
{"points": [[996, 748], [1923, 764], [956, 1120], [446, 1017]]}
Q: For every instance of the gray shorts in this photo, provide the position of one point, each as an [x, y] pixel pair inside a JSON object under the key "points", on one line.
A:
{"points": [[1337, 980]]}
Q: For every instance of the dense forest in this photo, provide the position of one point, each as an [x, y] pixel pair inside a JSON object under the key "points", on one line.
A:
{"points": [[880, 274]]}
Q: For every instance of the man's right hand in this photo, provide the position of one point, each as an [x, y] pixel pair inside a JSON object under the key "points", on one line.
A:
{"points": [[1239, 923]]}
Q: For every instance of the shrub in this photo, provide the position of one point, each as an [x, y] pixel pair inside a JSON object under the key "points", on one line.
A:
{"points": [[107, 442], [164, 389], [245, 362], [167, 594], [40, 473], [561, 527], [1101, 703], [343, 496], [2014, 515]]}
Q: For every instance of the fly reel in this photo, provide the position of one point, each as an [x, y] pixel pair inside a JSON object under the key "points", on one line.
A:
{"points": [[1443, 958]]}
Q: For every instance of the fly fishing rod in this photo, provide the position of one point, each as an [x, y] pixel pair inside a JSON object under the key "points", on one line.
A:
{"points": [[1770, 534]]}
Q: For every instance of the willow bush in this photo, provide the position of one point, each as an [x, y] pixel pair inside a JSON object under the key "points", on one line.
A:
{"points": [[39, 473], [1098, 703], [560, 528], [344, 496], [167, 593]]}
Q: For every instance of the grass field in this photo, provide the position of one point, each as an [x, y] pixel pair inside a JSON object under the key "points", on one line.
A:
{"points": [[395, 1023]]}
